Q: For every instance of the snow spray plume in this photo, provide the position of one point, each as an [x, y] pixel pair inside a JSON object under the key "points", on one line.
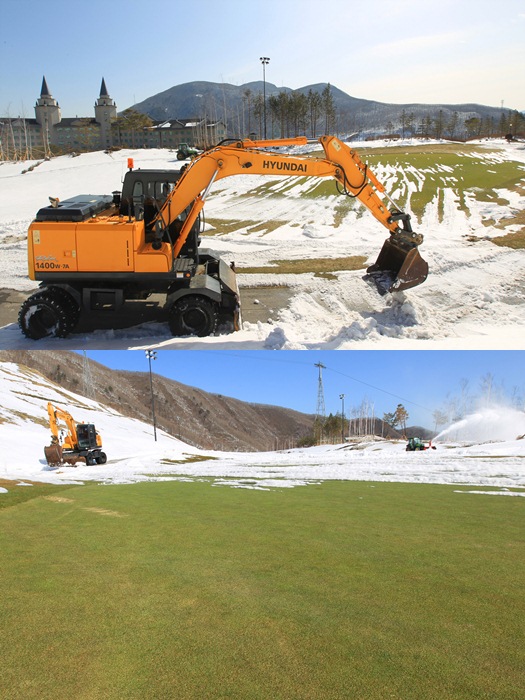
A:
{"points": [[489, 424]]}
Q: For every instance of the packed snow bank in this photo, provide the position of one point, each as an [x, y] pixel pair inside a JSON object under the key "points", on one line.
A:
{"points": [[474, 297], [134, 456]]}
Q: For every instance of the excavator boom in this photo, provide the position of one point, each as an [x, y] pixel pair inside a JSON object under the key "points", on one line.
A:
{"points": [[399, 265]]}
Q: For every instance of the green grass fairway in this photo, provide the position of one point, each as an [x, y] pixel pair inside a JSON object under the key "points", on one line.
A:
{"points": [[415, 176], [172, 591]]}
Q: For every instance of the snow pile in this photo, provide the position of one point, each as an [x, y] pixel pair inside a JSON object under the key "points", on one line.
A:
{"points": [[134, 456]]}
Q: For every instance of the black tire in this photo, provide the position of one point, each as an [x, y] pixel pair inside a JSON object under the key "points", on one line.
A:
{"points": [[91, 460], [102, 458], [47, 314], [69, 303], [193, 315]]}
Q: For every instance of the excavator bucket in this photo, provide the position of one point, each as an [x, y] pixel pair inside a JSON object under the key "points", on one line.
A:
{"points": [[397, 268], [53, 455]]}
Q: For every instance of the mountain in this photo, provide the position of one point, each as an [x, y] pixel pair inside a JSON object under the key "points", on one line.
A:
{"points": [[199, 418], [226, 102], [208, 421]]}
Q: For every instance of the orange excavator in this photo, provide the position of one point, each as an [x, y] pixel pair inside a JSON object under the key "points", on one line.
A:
{"points": [[94, 252], [79, 443]]}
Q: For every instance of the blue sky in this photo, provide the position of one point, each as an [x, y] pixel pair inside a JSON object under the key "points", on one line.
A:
{"points": [[390, 50], [420, 380]]}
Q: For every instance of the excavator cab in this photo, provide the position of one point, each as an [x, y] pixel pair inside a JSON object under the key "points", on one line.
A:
{"points": [[144, 192], [87, 436]]}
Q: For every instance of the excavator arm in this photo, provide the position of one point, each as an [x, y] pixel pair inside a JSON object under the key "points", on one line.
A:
{"points": [[399, 265], [56, 414]]}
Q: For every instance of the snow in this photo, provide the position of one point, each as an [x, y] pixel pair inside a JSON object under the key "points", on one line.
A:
{"points": [[133, 456], [474, 297]]}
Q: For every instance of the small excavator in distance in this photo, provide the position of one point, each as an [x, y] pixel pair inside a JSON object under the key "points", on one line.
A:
{"points": [[80, 443], [94, 252]]}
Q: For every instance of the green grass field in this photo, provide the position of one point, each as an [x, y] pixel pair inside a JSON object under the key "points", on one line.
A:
{"points": [[421, 174], [183, 590]]}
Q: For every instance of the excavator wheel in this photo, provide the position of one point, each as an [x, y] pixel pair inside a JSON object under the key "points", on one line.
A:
{"points": [[69, 303], [101, 458], [49, 313], [193, 315]]}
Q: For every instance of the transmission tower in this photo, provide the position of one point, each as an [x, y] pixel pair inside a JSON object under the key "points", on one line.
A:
{"points": [[86, 375], [320, 411]]}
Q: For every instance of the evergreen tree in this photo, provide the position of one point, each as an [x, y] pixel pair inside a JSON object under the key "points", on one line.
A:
{"points": [[452, 125], [439, 125], [131, 121], [390, 419], [298, 112], [258, 112], [328, 109], [247, 99], [473, 127], [315, 104]]}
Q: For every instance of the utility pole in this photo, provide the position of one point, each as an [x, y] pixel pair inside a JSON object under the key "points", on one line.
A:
{"points": [[342, 397], [264, 60], [152, 355]]}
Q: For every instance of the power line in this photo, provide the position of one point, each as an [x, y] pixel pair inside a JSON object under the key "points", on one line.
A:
{"points": [[384, 391], [330, 369]]}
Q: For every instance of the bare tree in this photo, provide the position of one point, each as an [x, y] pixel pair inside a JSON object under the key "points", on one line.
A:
{"points": [[440, 418], [487, 388]]}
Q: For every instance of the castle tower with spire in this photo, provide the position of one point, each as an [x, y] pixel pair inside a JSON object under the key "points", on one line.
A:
{"points": [[105, 113], [47, 112], [49, 133], [47, 109]]}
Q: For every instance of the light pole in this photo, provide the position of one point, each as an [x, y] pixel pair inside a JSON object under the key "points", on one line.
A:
{"points": [[152, 355], [265, 61], [342, 397]]}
